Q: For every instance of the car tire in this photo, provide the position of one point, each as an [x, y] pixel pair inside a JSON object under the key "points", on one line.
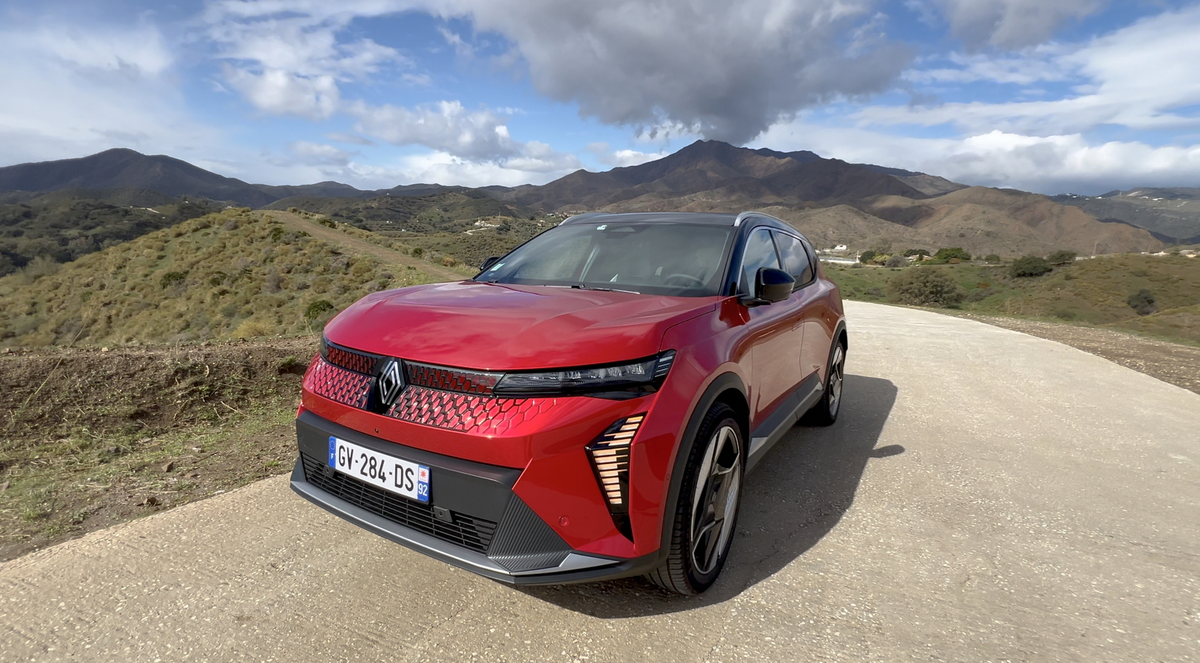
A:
{"points": [[709, 498], [825, 412]]}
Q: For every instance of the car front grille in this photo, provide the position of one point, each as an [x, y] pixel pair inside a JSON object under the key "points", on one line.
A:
{"points": [[466, 413], [467, 531], [359, 362], [338, 384]]}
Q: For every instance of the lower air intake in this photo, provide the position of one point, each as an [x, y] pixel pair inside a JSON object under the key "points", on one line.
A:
{"points": [[472, 533]]}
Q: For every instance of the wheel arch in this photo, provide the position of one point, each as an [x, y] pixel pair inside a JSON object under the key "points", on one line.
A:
{"points": [[727, 388]]}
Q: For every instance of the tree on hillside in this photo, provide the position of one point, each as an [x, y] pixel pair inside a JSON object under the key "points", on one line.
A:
{"points": [[866, 257], [1142, 301], [1028, 266], [896, 261], [925, 287], [1061, 257], [945, 255], [915, 252]]}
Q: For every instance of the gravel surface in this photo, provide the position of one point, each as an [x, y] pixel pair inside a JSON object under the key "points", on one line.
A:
{"points": [[1170, 362]]}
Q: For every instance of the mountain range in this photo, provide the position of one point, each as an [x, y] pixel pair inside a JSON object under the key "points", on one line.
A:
{"points": [[831, 200]]}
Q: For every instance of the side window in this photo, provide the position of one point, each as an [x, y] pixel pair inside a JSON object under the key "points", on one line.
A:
{"points": [[760, 252], [795, 259]]}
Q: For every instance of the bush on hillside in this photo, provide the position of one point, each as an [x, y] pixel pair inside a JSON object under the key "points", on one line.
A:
{"points": [[1142, 301], [317, 309], [866, 257], [946, 255], [991, 258], [1062, 257], [925, 287], [915, 252], [896, 261], [1028, 266]]}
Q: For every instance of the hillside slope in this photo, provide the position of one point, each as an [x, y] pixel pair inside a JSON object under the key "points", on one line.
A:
{"points": [[232, 274], [1174, 213], [1009, 222]]}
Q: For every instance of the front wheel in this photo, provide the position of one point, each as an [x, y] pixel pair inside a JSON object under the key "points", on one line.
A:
{"points": [[825, 412], [706, 517]]}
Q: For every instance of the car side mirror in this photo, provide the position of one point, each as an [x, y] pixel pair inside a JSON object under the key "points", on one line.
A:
{"points": [[770, 285], [488, 263]]}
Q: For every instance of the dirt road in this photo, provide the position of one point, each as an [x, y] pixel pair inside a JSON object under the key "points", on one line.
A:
{"points": [[987, 496]]}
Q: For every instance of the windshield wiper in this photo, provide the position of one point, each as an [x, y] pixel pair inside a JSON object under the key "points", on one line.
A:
{"points": [[580, 286]]}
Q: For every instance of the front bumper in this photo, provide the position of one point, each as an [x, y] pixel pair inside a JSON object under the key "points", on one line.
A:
{"points": [[473, 520]]}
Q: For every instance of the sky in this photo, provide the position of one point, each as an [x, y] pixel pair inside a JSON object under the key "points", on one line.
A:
{"points": [[1052, 96]]}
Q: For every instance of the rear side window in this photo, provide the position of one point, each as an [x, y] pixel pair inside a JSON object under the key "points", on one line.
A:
{"points": [[795, 259], [760, 252]]}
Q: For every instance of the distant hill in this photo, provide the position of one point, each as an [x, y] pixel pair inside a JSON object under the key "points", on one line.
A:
{"points": [[1009, 223], [127, 169], [1174, 214], [722, 169]]}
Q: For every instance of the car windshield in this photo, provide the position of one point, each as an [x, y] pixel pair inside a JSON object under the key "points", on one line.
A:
{"points": [[680, 259]]}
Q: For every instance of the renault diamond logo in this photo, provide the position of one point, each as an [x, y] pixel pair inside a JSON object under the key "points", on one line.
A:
{"points": [[390, 382]]}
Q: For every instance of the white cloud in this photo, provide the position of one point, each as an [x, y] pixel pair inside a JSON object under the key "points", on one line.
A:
{"points": [[1007, 23], [1045, 164], [76, 90], [293, 65], [1043, 63], [318, 154], [622, 158], [446, 168], [446, 126], [1135, 77], [283, 93]]}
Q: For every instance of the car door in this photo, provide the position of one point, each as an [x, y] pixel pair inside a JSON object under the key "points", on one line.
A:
{"points": [[774, 333], [812, 314]]}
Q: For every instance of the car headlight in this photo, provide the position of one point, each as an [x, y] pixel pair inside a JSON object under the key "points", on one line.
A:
{"points": [[618, 381]]}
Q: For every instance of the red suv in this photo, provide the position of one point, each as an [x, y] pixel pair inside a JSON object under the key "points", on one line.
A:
{"points": [[584, 408]]}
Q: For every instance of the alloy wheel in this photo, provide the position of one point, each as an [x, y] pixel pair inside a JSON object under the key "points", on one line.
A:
{"points": [[837, 371], [714, 502]]}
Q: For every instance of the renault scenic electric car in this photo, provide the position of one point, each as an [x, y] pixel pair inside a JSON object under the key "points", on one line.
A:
{"points": [[586, 407]]}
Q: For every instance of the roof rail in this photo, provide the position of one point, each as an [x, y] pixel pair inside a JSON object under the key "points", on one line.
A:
{"points": [[746, 215], [581, 217]]}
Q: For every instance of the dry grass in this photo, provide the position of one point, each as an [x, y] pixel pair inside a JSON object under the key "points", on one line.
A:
{"points": [[226, 275]]}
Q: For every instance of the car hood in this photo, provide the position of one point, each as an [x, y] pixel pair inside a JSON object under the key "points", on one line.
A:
{"points": [[489, 326]]}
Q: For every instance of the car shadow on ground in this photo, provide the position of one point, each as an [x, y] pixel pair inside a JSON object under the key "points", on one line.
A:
{"points": [[795, 496]]}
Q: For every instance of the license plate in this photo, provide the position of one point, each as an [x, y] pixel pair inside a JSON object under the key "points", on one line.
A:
{"points": [[391, 474]]}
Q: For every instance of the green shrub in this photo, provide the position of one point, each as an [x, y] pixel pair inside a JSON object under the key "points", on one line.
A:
{"points": [[1061, 257], [915, 252], [317, 309], [866, 257], [1142, 301], [925, 287], [896, 261], [1028, 266], [172, 278], [991, 258]]}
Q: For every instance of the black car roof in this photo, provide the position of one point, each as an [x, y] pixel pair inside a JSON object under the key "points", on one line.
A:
{"points": [[736, 220]]}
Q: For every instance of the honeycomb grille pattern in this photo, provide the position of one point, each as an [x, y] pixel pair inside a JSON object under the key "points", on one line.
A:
{"points": [[338, 384], [354, 361], [466, 531], [466, 413], [452, 379]]}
